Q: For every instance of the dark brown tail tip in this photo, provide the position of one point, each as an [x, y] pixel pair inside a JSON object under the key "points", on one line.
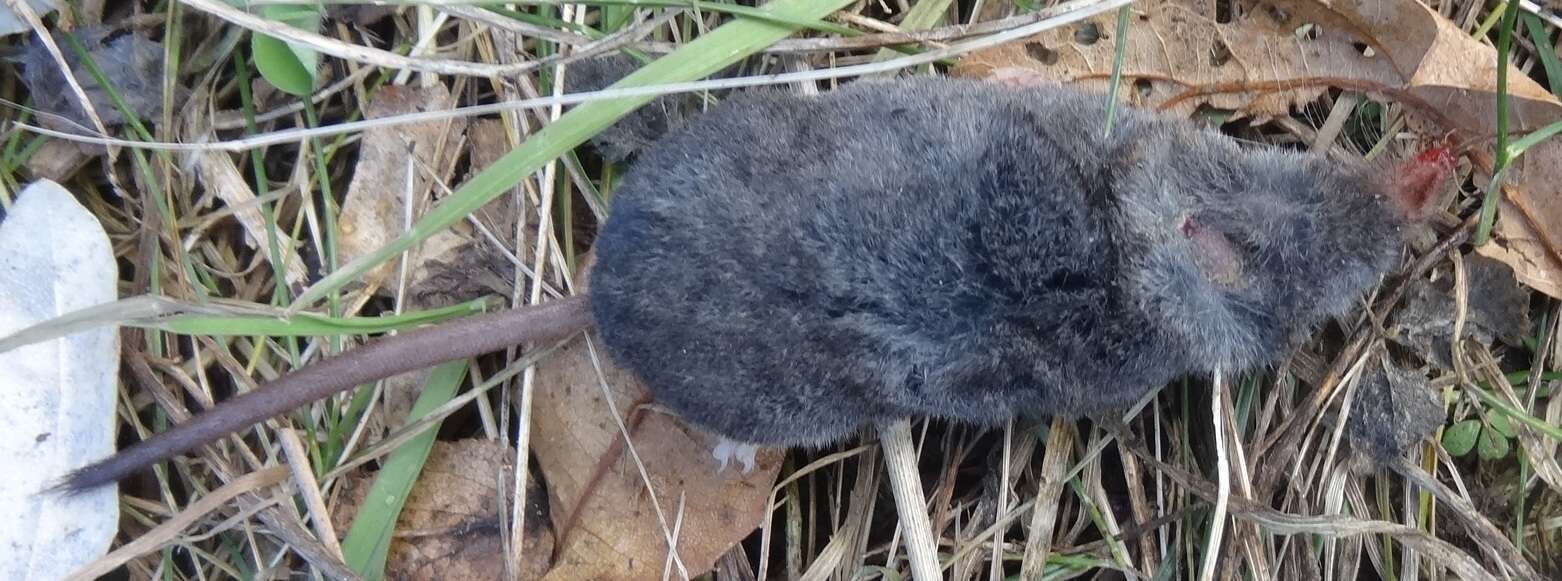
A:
{"points": [[86, 479]]}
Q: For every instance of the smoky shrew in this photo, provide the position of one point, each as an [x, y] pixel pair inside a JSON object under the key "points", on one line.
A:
{"points": [[784, 269]]}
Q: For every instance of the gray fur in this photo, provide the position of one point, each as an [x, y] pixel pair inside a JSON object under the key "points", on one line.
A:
{"points": [[786, 269]]}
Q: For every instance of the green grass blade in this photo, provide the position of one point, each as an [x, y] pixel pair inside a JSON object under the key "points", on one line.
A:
{"points": [[1488, 213], [368, 541], [924, 15], [312, 325], [1541, 36], [697, 59], [162, 313]]}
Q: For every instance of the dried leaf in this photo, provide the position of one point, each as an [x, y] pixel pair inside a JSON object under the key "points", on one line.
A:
{"points": [[57, 397], [57, 160], [1175, 46], [374, 212], [1394, 410], [450, 527], [617, 533], [132, 65], [1497, 309]]}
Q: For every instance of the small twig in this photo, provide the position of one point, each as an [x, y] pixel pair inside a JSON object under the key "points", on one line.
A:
{"points": [[901, 463]]}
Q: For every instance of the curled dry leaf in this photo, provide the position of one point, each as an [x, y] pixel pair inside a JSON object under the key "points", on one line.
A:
{"points": [[451, 527], [1175, 48], [57, 397], [603, 511]]}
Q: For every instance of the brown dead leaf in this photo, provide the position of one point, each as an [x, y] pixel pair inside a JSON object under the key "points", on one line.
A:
{"points": [[617, 533], [489, 143], [450, 528], [1497, 310], [131, 63], [57, 160], [1177, 45], [373, 209]]}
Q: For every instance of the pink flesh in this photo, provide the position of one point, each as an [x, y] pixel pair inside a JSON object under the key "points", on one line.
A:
{"points": [[1215, 255], [1419, 179]]}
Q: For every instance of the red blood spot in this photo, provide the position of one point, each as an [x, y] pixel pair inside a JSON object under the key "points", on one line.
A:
{"points": [[1419, 179]]}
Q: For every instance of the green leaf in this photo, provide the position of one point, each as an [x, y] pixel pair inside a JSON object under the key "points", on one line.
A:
{"points": [[1500, 423], [368, 541], [1460, 439], [1493, 445], [697, 59], [290, 67]]}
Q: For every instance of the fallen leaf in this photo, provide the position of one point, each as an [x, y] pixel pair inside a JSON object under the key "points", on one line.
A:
{"points": [[57, 397], [132, 65], [57, 160], [373, 211], [451, 525], [1394, 410], [618, 531], [1177, 45], [1497, 309]]}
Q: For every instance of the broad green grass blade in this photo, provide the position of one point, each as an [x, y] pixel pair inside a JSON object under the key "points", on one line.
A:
{"points": [[368, 541], [697, 59], [926, 14]]}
